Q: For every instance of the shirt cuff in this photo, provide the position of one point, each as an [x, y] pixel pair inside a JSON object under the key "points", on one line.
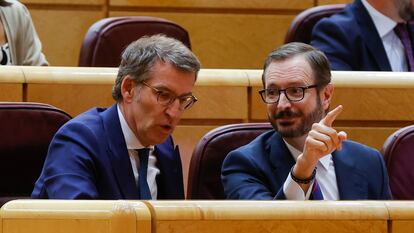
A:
{"points": [[293, 191]]}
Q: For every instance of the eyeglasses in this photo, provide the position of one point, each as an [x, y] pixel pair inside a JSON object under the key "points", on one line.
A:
{"points": [[293, 94], [166, 98]]}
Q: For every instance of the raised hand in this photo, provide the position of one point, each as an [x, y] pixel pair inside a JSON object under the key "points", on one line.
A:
{"points": [[321, 140]]}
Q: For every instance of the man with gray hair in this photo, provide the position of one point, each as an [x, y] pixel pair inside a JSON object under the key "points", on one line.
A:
{"points": [[126, 151]]}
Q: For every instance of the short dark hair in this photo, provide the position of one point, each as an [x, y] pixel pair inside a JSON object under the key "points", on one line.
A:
{"points": [[141, 55], [5, 3], [317, 60]]}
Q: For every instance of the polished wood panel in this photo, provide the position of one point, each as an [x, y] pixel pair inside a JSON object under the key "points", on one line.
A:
{"points": [[71, 98], [68, 75], [214, 92], [219, 103], [235, 40], [326, 2], [268, 216], [77, 89], [401, 216], [71, 2], [11, 74], [51, 216], [62, 31], [247, 30], [11, 92], [241, 4], [11, 83], [71, 89]]}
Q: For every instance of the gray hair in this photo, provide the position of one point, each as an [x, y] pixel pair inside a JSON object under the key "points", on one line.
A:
{"points": [[140, 56], [317, 60]]}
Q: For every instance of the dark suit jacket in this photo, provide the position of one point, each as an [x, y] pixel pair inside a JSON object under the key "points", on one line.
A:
{"points": [[259, 169], [350, 40], [88, 159]]}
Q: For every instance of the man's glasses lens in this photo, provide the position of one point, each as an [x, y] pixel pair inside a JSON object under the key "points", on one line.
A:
{"points": [[294, 94]]}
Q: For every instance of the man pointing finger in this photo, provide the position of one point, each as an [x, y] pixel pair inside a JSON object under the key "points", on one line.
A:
{"points": [[304, 157]]}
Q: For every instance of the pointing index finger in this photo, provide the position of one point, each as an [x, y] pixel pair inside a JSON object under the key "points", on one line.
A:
{"points": [[331, 116]]}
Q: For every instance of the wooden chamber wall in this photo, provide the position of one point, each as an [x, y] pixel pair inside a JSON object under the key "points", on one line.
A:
{"points": [[224, 33]]}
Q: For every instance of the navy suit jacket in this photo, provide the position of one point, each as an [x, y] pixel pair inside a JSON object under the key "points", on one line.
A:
{"points": [[88, 159], [350, 40], [258, 170]]}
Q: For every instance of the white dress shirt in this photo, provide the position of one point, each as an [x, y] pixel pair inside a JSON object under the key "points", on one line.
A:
{"points": [[133, 144], [392, 44], [325, 174]]}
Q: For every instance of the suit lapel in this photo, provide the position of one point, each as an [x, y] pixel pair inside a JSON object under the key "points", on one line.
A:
{"points": [[169, 182], [118, 153], [370, 36], [352, 184], [280, 158]]}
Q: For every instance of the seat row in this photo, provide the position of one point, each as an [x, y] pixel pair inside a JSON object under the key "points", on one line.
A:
{"points": [[107, 38], [206, 216], [29, 127], [376, 104]]}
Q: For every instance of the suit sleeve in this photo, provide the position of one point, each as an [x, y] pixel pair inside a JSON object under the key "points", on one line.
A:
{"points": [[69, 171], [243, 178], [336, 42], [385, 187]]}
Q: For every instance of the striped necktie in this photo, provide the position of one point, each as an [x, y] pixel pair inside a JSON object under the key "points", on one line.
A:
{"points": [[144, 191], [401, 30], [316, 193]]}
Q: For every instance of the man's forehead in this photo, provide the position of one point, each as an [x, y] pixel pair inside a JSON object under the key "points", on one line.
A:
{"points": [[294, 69]]}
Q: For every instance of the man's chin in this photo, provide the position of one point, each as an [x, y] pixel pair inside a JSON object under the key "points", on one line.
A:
{"points": [[289, 132]]}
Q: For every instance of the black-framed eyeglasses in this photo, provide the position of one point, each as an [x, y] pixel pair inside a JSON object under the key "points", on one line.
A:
{"points": [[293, 94], [166, 98]]}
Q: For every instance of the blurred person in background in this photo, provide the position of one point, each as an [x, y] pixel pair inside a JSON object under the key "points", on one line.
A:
{"points": [[368, 35], [19, 42]]}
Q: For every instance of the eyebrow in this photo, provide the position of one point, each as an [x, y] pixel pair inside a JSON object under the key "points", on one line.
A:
{"points": [[294, 84], [165, 89]]}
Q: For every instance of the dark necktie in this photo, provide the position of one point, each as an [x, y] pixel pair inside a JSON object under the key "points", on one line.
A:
{"points": [[144, 191], [316, 193], [401, 31]]}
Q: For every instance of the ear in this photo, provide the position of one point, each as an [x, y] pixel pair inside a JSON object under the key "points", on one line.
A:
{"points": [[127, 89], [326, 96]]}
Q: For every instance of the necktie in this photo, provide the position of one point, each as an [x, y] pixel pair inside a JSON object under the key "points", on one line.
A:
{"points": [[401, 31], [316, 193], [144, 191]]}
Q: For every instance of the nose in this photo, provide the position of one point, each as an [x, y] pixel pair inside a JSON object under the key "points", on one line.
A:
{"points": [[174, 109], [283, 102]]}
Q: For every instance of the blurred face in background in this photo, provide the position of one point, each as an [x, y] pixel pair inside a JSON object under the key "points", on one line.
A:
{"points": [[405, 9]]}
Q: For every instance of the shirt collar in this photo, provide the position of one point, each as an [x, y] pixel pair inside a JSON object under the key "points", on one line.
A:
{"points": [[325, 160], [131, 140], [382, 23]]}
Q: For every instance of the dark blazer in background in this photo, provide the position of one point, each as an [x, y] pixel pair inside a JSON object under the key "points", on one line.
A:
{"points": [[88, 159], [258, 170], [350, 40]]}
